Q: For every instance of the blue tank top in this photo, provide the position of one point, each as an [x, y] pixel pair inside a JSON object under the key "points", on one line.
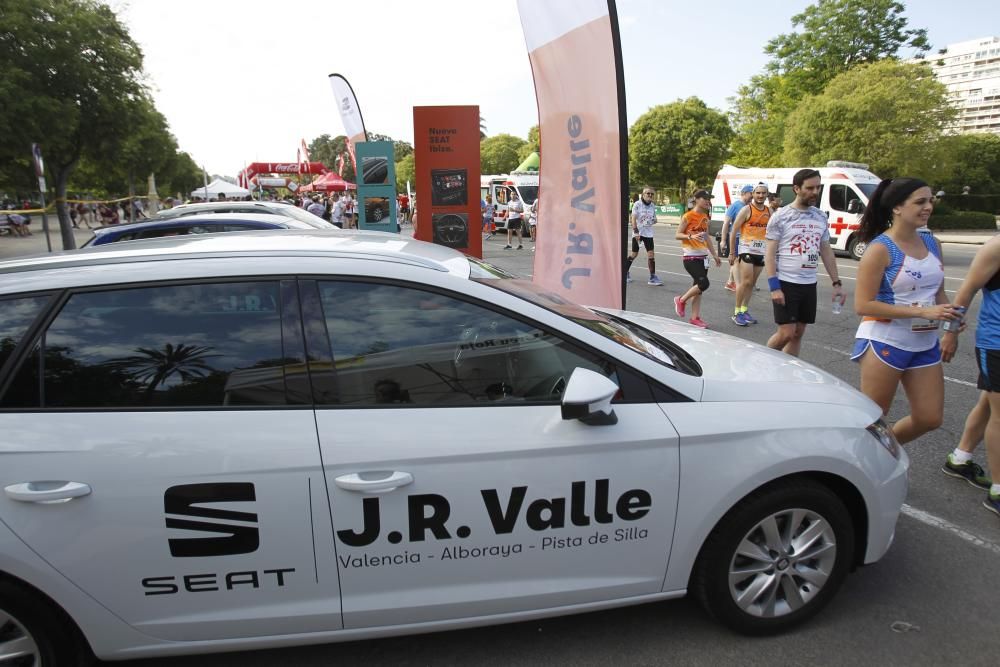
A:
{"points": [[988, 328]]}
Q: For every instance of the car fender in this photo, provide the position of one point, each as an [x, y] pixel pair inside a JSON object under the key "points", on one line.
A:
{"points": [[747, 446]]}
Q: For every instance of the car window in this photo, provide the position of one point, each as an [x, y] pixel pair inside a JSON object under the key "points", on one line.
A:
{"points": [[216, 344], [400, 345], [159, 232], [841, 196], [16, 315]]}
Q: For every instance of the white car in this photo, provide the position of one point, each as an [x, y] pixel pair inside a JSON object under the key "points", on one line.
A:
{"points": [[265, 439]]}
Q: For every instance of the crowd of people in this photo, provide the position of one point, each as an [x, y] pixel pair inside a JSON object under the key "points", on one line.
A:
{"points": [[908, 327]]}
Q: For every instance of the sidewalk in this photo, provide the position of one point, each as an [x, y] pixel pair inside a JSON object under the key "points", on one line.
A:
{"points": [[16, 246]]}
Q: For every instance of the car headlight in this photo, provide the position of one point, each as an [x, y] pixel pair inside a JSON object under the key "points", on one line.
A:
{"points": [[883, 433]]}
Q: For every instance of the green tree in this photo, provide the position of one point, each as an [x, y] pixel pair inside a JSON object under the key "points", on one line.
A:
{"points": [[69, 79], [499, 154], [534, 144], [674, 143], [969, 160], [405, 171], [326, 150], [831, 37], [888, 114]]}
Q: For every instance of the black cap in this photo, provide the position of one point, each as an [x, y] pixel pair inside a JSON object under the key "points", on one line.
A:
{"points": [[702, 194]]}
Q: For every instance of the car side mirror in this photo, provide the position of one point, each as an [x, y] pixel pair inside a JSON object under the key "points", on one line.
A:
{"points": [[588, 398], [855, 206]]}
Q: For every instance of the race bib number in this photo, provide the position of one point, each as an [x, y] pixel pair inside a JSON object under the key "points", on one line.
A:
{"points": [[757, 246], [810, 260], [919, 324]]}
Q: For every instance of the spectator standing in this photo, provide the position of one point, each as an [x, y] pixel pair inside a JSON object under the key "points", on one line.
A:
{"points": [[350, 211], [532, 219], [488, 210], [797, 236], [317, 207], [515, 213], [337, 209]]}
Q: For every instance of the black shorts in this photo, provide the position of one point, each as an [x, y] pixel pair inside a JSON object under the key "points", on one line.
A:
{"points": [[989, 369], [750, 258], [799, 306], [646, 241], [514, 224], [696, 268]]}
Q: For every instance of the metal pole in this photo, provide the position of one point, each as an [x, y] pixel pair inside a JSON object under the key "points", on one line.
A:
{"points": [[45, 222]]}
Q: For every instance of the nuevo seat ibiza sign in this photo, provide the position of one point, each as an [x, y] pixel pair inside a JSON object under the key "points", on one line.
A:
{"points": [[287, 437]]}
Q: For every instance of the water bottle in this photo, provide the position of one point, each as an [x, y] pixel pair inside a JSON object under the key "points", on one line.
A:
{"points": [[953, 325], [837, 308]]}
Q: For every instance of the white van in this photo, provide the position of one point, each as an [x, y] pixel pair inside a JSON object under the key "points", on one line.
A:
{"points": [[526, 185], [845, 192]]}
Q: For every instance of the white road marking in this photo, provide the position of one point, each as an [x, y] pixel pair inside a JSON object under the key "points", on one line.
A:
{"points": [[947, 526]]}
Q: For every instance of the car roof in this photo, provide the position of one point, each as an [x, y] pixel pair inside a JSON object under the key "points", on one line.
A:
{"points": [[201, 218], [334, 243], [209, 206]]}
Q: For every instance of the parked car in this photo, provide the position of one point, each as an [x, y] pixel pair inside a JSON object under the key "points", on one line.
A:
{"points": [[262, 207], [203, 223], [263, 439]]}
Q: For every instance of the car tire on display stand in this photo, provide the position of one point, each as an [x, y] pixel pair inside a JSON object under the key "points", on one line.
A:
{"points": [[32, 632], [776, 559], [856, 247]]}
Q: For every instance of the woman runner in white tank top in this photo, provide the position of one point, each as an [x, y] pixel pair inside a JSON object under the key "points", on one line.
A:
{"points": [[900, 296]]}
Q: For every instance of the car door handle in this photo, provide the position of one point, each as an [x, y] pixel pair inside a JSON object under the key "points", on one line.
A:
{"points": [[387, 481], [46, 492]]}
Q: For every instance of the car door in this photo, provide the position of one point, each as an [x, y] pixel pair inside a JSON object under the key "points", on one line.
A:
{"points": [[456, 487], [159, 451]]}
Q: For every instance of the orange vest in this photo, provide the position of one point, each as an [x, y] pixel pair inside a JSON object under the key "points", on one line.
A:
{"points": [[696, 222]]}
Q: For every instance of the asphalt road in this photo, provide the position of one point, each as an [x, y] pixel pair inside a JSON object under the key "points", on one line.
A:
{"points": [[932, 600]]}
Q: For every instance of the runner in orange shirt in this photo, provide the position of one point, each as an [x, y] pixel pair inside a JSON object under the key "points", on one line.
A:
{"points": [[693, 235], [750, 226]]}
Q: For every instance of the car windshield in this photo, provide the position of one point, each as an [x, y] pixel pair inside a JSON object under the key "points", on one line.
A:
{"points": [[867, 189], [610, 326], [302, 215], [529, 193]]}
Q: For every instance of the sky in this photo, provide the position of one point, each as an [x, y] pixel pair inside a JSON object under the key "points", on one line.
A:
{"points": [[242, 81]]}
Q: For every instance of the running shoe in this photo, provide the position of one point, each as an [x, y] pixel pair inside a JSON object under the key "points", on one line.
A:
{"points": [[740, 320], [698, 322], [628, 276], [507, 247], [731, 286], [970, 471], [520, 247], [750, 319], [679, 306], [654, 280], [992, 503]]}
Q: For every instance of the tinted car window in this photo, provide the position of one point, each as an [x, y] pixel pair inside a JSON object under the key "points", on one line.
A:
{"points": [[180, 345], [16, 315], [401, 345], [841, 197]]}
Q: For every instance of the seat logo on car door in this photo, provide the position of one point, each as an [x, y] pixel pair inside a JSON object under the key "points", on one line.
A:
{"points": [[188, 500]]}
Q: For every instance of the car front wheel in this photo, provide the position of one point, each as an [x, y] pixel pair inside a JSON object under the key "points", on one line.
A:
{"points": [[776, 559], [856, 247]]}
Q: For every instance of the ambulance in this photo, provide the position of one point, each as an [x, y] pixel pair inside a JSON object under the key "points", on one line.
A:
{"points": [[501, 187], [843, 197]]}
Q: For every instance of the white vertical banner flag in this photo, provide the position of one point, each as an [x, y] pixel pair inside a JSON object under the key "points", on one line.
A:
{"points": [[350, 113], [575, 55]]}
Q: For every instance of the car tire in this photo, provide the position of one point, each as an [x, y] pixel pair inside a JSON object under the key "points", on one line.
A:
{"points": [[776, 559], [29, 623], [856, 247]]}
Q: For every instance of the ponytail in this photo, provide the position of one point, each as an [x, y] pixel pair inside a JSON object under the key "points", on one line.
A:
{"points": [[878, 215]]}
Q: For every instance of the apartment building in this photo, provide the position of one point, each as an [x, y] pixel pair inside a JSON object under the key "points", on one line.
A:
{"points": [[971, 72]]}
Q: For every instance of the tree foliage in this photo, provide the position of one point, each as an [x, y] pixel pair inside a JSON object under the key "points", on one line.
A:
{"points": [[969, 160], [888, 114], [672, 144], [69, 79], [499, 154], [405, 171], [831, 37]]}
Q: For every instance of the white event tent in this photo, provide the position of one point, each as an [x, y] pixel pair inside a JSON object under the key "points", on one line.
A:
{"points": [[219, 186]]}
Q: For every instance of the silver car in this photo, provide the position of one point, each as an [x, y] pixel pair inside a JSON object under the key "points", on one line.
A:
{"points": [[265, 439], [261, 207]]}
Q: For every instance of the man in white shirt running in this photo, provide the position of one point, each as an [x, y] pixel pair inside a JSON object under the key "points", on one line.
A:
{"points": [[642, 219], [798, 235]]}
